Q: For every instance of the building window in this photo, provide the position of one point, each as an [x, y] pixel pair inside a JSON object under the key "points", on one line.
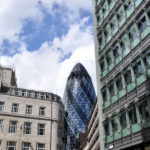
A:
{"points": [[132, 115], [11, 145], [111, 89], [128, 76], [116, 53], [144, 111], [109, 59], [40, 146], [26, 146], [121, 16], [138, 70], [142, 25], [106, 127], [60, 116], [104, 95], [41, 129], [13, 127], [28, 109], [119, 83], [29, 93], [147, 59], [123, 120], [27, 128], [2, 104], [1, 125], [114, 124], [59, 132], [15, 108], [102, 65], [42, 111]]}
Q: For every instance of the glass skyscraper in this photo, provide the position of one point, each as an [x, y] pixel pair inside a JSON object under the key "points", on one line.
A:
{"points": [[79, 97]]}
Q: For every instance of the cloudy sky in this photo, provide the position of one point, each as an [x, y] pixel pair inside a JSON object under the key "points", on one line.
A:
{"points": [[44, 39]]}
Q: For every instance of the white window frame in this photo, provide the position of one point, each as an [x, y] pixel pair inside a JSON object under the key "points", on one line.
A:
{"points": [[27, 128], [24, 147], [13, 127], [41, 129], [28, 109], [11, 146], [40, 148], [15, 108], [42, 111]]}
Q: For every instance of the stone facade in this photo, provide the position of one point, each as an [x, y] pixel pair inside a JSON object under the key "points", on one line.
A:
{"points": [[31, 118]]}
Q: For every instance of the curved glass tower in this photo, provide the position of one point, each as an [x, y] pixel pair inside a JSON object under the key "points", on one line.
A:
{"points": [[79, 97]]}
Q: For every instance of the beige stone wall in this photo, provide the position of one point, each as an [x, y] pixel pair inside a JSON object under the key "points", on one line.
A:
{"points": [[50, 120]]}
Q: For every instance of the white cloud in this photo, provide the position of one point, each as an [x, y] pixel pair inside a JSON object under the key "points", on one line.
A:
{"points": [[42, 69], [12, 16]]}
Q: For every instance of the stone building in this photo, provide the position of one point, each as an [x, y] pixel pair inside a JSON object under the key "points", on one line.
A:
{"points": [[122, 46], [29, 120]]}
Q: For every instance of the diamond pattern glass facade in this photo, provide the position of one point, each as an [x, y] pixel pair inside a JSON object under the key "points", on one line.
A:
{"points": [[79, 97]]}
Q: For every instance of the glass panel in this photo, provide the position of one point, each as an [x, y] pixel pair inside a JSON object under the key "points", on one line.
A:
{"points": [[121, 16], [119, 83], [109, 61], [114, 25], [145, 114], [133, 36], [117, 54], [125, 46], [105, 9], [132, 115], [129, 8], [111, 4]]}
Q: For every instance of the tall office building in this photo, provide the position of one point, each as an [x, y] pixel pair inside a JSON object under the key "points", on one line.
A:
{"points": [[79, 97], [122, 46], [29, 119]]}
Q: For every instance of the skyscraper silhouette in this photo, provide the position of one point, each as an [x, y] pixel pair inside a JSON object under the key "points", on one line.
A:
{"points": [[79, 97]]}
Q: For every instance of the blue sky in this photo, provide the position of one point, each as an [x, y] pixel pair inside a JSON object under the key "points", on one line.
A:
{"points": [[43, 40]]}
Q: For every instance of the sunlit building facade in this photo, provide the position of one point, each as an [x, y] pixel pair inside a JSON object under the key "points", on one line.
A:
{"points": [[79, 97], [122, 46], [29, 119]]}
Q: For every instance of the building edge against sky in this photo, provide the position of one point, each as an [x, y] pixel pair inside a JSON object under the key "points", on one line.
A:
{"points": [[122, 51], [79, 98], [28, 118]]}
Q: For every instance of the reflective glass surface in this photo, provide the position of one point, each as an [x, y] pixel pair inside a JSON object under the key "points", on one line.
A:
{"points": [[79, 97]]}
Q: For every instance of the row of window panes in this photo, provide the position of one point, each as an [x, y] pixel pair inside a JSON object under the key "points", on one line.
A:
{"points": [[127, 42], [15, 108], [128, 121], [33, 94], [132, 76], [126, 9], [133, 35], [11, 145], [26, 128]]}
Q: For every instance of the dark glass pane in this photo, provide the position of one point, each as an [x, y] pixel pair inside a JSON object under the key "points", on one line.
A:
{"points": [[111, 89], [142, 24], [138, 69], [106, 127], [114, 125], [123, 120], [128, 77], [119, 83], [116, 52], [132, 115]]}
